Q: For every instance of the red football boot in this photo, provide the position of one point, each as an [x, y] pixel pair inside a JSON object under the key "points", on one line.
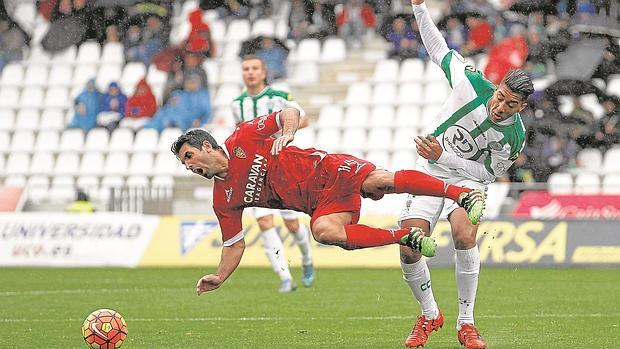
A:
{"points": [[469, 337], [422, 329]]}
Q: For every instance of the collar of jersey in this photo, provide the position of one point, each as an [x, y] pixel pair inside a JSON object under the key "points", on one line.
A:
{"points": [[260, 94]]}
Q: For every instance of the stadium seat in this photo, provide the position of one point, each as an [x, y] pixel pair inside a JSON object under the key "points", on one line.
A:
{"points": [[358, 93], [238, 30], [404, 139], [2, 163], [410, 93], [121, 140], [57, 97], [116, 164], [382, 116], [97, 140], [156, 77], [112, 181], [407, 116], [309, 50], [380, 158], [412, 69], [106, 75], [71, 140], [9, 97], [264, 27], [428, 116], [355, 116], [47, 140], [611, 184], [165, 164], [166, 138], [18, 163], [180, 32], [225, 94], [67, 163], [211, 67], [384, 93], [36, 75], [88, 53], [22, 141], [27, 119], [7, 120], [386, 71], [220, 134], [141, 163], [82, 74], [137, 181], [25, 13], [62, 189], [331, 115], [15, 181], [113, 53], [61, 76], [5, 140], [39, 56], [91, 164], [590, 102], [587, 183], [611, 161], [31, 97], [613, 86], [305, 138], [354, 138], [218, 31], [403, 160], [65, 57], [52, 119], [12, 75], [435, 92], [41, 163], [162, 182], [434, 73], [230, 51], [334, 50], [328, 139], [303, 74], [146, 140], [379, 138], [560, 183], [37, 187], [89, 184], [230, 72], [132, 73], [590, 159]]}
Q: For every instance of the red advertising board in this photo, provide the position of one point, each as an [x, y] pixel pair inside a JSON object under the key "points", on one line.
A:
{"points": [[544, 205], [10, 198]]}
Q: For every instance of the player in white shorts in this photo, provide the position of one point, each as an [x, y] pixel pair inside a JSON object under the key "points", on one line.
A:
{"points": [[260, 99], [477, 136]]}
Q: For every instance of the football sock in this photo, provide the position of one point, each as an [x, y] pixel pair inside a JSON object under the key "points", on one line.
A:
{"points": [[274, 249], [303, 242], [361, 236], [418, 183], [418, 277], [467, 271]]}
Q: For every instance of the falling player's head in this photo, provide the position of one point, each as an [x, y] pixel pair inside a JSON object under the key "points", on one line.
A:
{"points": [[198, 151], [254, 73], [511, 95]]}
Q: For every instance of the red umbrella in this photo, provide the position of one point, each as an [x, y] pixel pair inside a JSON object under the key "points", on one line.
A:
{"points": [[508, 54]]}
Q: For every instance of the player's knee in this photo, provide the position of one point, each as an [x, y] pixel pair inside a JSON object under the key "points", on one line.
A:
{"points": [[464, 239], [265, 222], [409, 256], [292, 225]]}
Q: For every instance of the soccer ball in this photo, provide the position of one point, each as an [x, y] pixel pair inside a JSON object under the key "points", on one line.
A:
{"points": [[104, 329]]}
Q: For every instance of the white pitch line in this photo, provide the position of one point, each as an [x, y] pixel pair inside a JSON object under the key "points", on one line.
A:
{"points": [[350, 318]]}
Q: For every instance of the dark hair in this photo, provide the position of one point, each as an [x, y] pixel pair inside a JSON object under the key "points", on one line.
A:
{"points": [[519, 82], [194, 138]]}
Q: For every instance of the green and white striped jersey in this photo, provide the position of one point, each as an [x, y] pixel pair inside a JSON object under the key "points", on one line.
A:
{"points": [[247, 107], [464, 128]]}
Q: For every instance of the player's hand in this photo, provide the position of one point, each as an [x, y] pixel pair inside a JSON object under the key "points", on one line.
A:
{"points": [[208, 283], [428, 147], [280, 143], [416, 2]]}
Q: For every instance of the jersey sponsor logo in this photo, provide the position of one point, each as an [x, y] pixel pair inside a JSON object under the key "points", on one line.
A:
{"points": [[497, 146], [458, 140], [240, 153], [256, 179], [228, 193]]}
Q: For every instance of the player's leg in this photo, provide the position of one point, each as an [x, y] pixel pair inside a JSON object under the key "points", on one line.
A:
{"points": [[380, 182], [467, 270], [420, 211], [301, 236], [273, 248]]}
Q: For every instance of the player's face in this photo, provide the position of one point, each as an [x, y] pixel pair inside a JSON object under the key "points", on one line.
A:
{"points": [[199, 161], [253, 72], [504, 103]]}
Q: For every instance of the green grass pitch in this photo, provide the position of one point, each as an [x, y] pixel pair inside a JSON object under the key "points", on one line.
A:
{"points": [[346, 308]]}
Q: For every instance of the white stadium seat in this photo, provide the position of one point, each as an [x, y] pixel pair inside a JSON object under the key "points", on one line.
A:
{"points": [[52, 119], [9, 97], [379, 158], [435, 92], [2, 162], [67, 163], [57, 97], [71, 140], [218, 30], [354, 138], [211, 67], [384, 93], [7, 120], [356, 116], [230, 51], [146, 140], [22, 141], [141, 163], [560, 183], [121, 140], [407, 116], [61, 75], [264, 27], [116, 164], [587, 183], [138, 181], [404, 139], [31, 97], [230, 72], [106, 75], [113, 53], [89, 184], [65, 57], [82, 74], [334, 50], [156, 77], [27, 119], [12, 75], [225, 94], [15, 181], [238, 30], [88, 53], [5, 140], [38, 187], [382, 116], [611, 162], [613, 87], [412, 69], [47, 140], [380, 138], [17, 164], [97, 140], [36, 75], [403, 159], [41, 163], [410, 93], [328, 139], [305, 138], [132, 73], [434, 73], [590, 159], [305, 73], [611, 184], [428, 116], [331, 115], [309, 50], [386, 71], [39, 56], [62, 189], [358, 93], [166, 138], [165, 164], [91, 164]]}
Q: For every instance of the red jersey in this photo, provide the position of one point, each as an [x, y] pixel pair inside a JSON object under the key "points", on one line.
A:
{"points": [[295, 179]]}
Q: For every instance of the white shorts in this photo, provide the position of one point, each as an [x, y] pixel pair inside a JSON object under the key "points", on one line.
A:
{"points": [[431, 208], [260, 212]]}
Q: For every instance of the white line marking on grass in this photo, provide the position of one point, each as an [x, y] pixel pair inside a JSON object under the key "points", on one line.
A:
{"points": [[350, 318]]}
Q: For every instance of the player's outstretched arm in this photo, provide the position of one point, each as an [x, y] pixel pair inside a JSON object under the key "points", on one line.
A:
{"points": [[434, 42], [231, 256], [289, 119]]}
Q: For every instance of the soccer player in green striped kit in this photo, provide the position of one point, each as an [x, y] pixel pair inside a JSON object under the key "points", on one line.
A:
{"points": [[476, 137]]}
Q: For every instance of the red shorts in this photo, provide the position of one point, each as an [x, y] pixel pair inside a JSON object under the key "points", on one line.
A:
{"points": [[338, 188]]}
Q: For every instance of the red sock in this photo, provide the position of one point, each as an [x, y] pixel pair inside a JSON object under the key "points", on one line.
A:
{"points": [[418, 183], [361, 236]]}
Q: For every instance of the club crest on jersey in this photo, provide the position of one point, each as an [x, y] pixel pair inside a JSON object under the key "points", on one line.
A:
{"points": [[497, 146], [228, 193], [240, 153]]}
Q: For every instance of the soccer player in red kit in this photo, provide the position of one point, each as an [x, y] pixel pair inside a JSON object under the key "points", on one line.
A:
{"points": [[251, 169]]}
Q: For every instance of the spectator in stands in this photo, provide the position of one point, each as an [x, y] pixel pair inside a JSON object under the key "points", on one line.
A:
{"points": [[274, 57], [299, 19], [175, 78], [132, 42], [402, 38], [192, 66], [12, 42], [455, 33], [111, 34], [153, 39], [608, 133], [140, 107], [611, 61], [87, 106], [355, 18], [322, 21], [480, 35], [580, 124], [112, 107], [233, 8], [199, 40], [81, 204], [199, 100], [537, 55]]}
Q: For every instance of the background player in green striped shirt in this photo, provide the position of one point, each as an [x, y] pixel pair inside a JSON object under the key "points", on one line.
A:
{"points": [[477, 136], [260, 99]]}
